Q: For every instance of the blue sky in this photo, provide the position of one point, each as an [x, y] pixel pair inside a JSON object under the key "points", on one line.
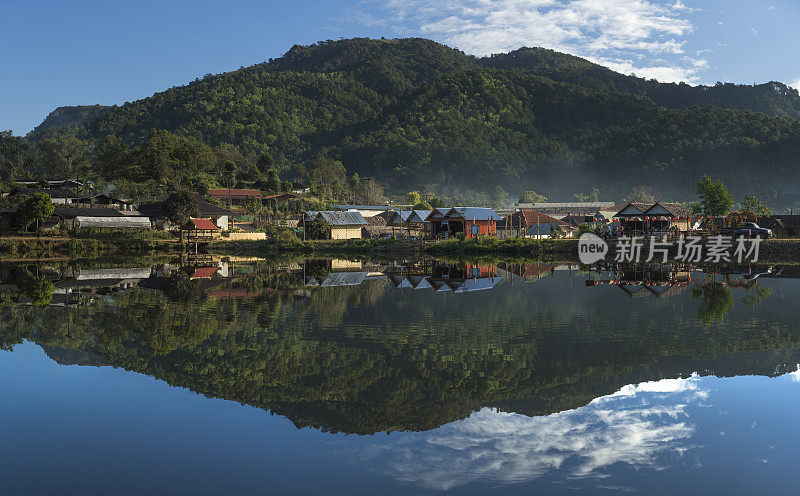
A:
{"points": [[84, 52]]}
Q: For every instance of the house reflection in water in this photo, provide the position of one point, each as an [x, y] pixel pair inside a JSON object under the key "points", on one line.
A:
{"points": [[442, 276]]}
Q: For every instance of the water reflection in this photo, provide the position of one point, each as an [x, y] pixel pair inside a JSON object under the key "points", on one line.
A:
{"points": [[644, 426], [482, 373]]}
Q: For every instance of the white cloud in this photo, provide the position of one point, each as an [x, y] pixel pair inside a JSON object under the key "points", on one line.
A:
{"points": [[600, 30], [644, 425]]}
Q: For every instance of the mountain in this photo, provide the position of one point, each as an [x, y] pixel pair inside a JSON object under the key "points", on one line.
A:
{"points": [[414, 113], [64, 120], [773, 98]]}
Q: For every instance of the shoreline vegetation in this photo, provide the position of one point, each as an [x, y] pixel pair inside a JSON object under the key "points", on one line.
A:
{"points": [[95, 245]]}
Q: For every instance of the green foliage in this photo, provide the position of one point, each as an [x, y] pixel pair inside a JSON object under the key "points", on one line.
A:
{"points": [[714, 197], [415, 112], [16, 157], [66, 156], [753, 205], [532, 197], [273, 181], [179, 207], [413, 197], [35, 209], [716, 302]]}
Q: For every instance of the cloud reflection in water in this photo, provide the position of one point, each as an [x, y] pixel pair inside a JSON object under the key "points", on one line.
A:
{"points": [[640, 425]]}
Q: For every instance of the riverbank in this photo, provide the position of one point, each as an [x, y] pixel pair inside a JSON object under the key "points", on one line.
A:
{"points": [[773, 250], [538, 249], [86, 246]]}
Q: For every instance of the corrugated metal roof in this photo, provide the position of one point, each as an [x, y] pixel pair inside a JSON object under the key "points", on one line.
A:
{"points": [[361, 207], [87, 212], [120, 273], [335, 279], [437, 213], [476, 213], [123, 222], [597, 205], [342, 218], [410, 216]]}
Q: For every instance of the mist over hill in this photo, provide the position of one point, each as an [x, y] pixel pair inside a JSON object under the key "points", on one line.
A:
{"points": [[414, 113]]}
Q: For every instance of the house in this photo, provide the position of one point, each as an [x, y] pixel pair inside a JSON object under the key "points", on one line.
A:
{"points": [[529, 223], [199, 230], [659, 217], [222, 217], [300, 188], [576, 220], [785, 226], [101, 217], [473, 222], [235, 196], [438, 223], [367, 210], [58, 196], [335, 225], [466, 278], [409, 220], [53, 184], [106, 201], [562, 209]]}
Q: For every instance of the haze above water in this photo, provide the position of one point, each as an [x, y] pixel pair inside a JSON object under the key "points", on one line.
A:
{"points": [[424, 377]]}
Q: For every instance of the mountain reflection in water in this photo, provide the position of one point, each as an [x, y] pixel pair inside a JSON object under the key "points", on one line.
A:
{"points": [[514, 371]]}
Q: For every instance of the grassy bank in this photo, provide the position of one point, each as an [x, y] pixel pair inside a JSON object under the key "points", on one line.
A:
{"points": [[774, 250], [86, 245], [527, 248]]}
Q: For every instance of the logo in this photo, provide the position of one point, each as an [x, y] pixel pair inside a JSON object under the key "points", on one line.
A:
{"points": [[591, 248]]}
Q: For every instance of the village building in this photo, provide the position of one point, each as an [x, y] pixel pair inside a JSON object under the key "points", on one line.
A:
{"points": [[53, 184], [784, 226], [411, 222], [334, 225], [656, 218], [472, 222], [235, 196], [300, 188], [562, 209], [528, 223], [104, 200], [364, 210], [222, 217], [58, 196], [199, 230]]}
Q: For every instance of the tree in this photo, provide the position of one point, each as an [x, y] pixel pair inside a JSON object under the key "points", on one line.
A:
{"points": [[594, 196], [753, 205], [371, 192], [642, 194], [36, 208], [112, 156], [179, 207], [65, 157], [500, 197], [265, 162], [413, 197], [16, 157], [273, 181], [532, 197], [714, 197], [327, 176]]}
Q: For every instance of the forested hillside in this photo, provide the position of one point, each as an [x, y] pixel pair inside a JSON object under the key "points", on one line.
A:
{"points": [[418, 115], [65, 120], [773, 98]]}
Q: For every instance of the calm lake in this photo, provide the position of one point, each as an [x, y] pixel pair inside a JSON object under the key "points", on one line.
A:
{"points": [[412, 377]]}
